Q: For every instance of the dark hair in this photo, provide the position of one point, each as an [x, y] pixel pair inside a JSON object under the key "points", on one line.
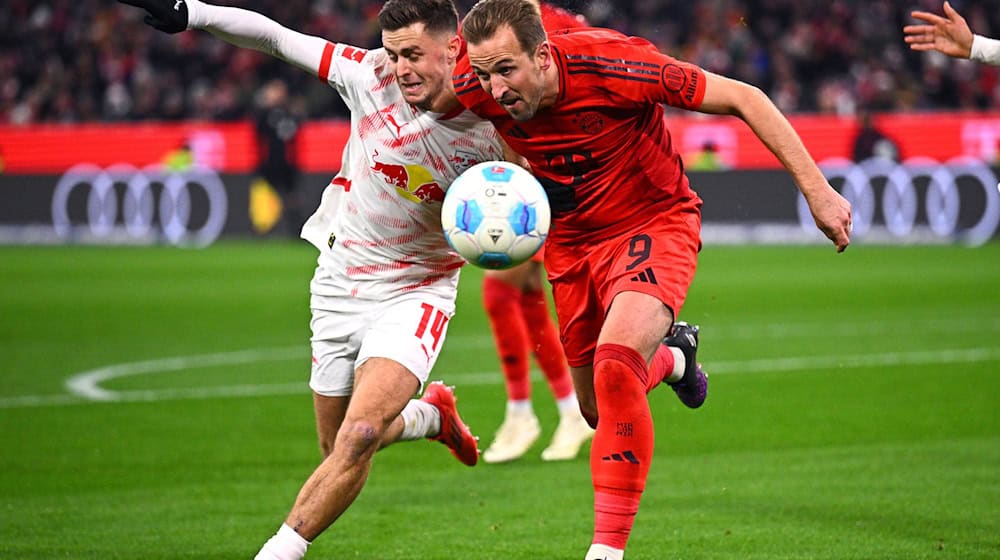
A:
{"points": [[436, 15], [488, 16]]}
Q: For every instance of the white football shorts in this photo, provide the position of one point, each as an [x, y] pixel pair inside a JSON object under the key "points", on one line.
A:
{"points": [[409, 329]]}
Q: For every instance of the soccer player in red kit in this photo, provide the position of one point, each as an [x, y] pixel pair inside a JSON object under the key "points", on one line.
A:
{"points": [[584, 108], [518, 313]]}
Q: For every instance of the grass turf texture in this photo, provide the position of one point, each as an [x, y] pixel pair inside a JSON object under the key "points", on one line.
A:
{"points": [[854, 413]]}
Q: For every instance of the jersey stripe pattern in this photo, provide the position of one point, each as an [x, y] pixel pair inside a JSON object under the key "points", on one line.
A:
{"points": [[602, 151], [379, 220]]}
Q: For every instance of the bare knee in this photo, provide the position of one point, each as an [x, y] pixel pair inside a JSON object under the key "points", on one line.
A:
{"points": [[359, 438]]}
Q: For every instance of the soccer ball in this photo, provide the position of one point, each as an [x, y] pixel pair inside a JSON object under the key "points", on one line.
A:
{"points": [[495, 215]]}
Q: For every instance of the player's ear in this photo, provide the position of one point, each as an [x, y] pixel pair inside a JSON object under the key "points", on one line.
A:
{"points": [[454, 47], [543, 55]]}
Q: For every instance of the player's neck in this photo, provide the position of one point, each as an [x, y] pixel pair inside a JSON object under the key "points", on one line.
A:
{"points": [[552, 86], [445, 102]]}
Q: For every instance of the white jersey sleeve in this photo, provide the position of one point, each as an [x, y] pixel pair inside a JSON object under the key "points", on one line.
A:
{"points": [[248, 29], [378, 226], [338, 64], [985, 50]]}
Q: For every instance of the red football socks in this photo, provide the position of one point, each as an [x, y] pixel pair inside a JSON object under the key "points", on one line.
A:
{"points": [[623, 444], [510, 334], [545, 342], [661, 368]]}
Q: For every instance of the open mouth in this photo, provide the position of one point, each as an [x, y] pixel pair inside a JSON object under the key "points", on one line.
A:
{"points": [[510, 103], [411, 88]]}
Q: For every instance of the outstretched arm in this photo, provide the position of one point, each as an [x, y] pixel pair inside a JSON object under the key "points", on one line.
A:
{"points": [[830, 210], [243, 28], [950, 35]]}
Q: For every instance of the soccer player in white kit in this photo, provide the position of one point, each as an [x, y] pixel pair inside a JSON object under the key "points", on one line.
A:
{"points": [[385, 285]]}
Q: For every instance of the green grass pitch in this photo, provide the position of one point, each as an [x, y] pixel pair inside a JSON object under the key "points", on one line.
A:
{"points": [[854, 413]]}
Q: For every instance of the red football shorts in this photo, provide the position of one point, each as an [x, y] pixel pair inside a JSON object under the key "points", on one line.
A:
{"points": [[658, 258]]}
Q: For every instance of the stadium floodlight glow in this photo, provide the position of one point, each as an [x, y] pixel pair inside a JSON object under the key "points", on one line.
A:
{"points": [[900, 200], [138, 203]]}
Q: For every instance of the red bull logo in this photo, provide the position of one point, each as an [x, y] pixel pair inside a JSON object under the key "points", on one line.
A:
{"points": [[429, 192], [393, 174], [412, 182], [462, 160]]}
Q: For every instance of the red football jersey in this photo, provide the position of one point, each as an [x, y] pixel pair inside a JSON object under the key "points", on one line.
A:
{"points": [[602, 151]]}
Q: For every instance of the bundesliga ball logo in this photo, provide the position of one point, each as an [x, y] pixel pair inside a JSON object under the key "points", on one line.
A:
{"points": [[495, 215]]}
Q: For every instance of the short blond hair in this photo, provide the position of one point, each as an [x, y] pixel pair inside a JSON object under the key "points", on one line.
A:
{"points": [[488, 16]]}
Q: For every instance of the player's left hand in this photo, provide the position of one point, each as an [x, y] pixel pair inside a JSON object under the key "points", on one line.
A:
{"points": [[170, 16], [832, 213]]}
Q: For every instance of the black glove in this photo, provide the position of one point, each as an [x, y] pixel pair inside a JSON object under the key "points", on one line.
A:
{"points": [[170, 16]]}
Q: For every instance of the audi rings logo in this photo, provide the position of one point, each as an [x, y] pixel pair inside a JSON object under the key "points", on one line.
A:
{"points": [[124, 203], [960, 197]]}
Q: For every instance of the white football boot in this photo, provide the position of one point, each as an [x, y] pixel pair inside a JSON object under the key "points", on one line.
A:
{"points": [[569, 437], [519, 431]]}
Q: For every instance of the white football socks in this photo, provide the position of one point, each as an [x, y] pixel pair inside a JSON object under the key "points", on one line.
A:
{"points": [[520, 408], [568, 405], [604, 552], [420, 419], [286, 544], [680, 364]]}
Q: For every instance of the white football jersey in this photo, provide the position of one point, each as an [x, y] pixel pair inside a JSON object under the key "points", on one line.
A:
{"points": [[378, 227], [379, 222]]}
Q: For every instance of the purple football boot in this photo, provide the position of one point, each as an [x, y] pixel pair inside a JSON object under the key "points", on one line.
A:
{"points": [[692, 388]]}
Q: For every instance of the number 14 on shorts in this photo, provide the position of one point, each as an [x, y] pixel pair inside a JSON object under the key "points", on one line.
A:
{"points": [[432, 322]]}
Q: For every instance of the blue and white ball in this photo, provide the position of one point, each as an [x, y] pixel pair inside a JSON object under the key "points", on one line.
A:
{"points": [[496, 215]]}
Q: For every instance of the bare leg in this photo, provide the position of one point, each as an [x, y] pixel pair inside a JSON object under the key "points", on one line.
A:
{"points": [[382, 389], [583, 382], [330, 413]]}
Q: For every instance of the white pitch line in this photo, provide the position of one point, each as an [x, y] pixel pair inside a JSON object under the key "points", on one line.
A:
{"points": [[86, 389], [868, 329], [87, 384], [967, 355]]}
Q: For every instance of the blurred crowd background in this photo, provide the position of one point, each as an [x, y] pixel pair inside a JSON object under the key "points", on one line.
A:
{"points": [[89, 60]]}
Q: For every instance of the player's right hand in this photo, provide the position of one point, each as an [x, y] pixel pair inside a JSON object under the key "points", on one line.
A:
{"points": [[832, 213], [170, 16]]}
